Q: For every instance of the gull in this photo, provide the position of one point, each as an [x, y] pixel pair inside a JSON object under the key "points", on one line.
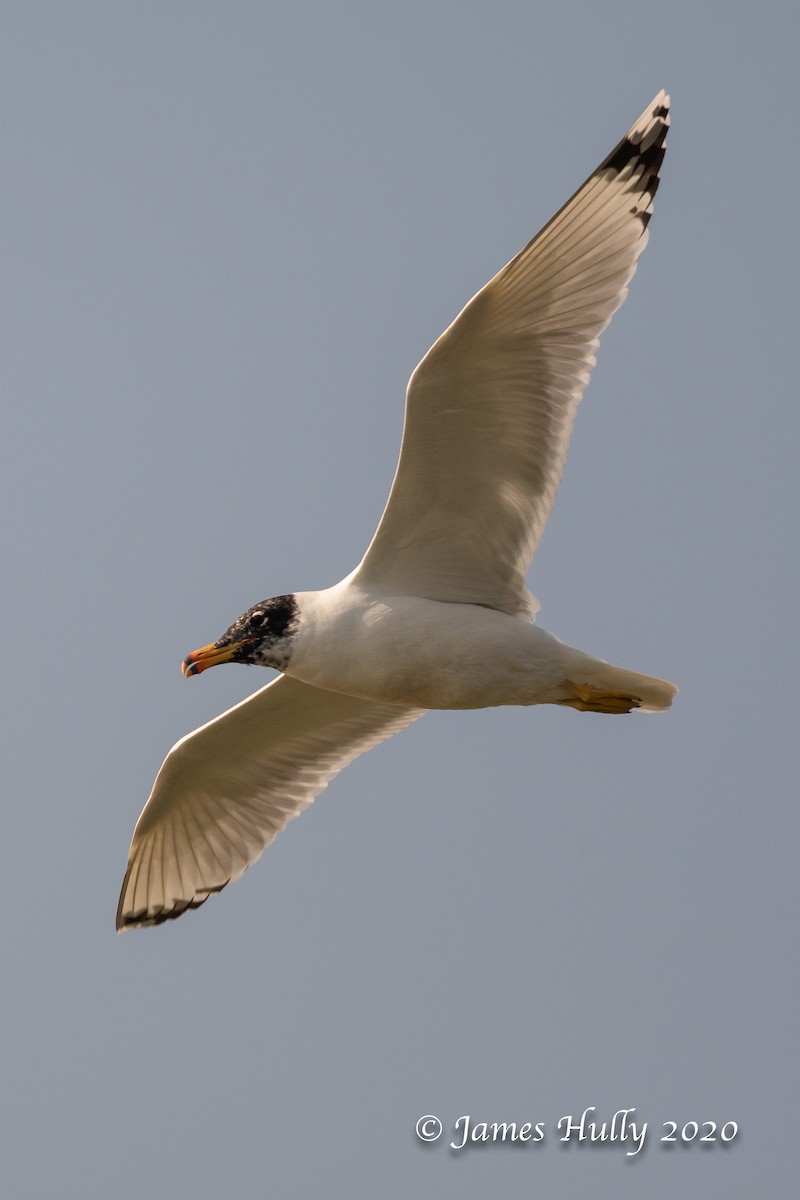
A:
{"points": [[436, 615]]}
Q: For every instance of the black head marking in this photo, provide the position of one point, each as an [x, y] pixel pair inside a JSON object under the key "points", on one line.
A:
{"points": [[278, 615], [265, 633]]}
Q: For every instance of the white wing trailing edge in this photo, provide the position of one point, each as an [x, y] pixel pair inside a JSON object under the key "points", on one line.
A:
{"points": [[225, 791], [489, 409]]}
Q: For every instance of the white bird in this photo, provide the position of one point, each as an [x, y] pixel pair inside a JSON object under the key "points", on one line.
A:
{"points": [[436, 615]]}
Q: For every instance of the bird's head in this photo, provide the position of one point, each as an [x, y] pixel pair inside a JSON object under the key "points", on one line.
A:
{"points": [[262, 636]]}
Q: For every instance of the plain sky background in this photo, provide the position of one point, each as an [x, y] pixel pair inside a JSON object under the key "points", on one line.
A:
{"points": [[229, 233]]}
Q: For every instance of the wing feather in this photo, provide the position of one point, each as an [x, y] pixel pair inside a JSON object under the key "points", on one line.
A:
{"points": [[489, 409], [225, 791]]}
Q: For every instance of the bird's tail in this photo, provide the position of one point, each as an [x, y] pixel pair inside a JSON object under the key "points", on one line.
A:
{"points": [[597, 686]]}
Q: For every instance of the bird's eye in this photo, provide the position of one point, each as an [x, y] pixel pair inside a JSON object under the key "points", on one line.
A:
{"points": [[257, 618]]}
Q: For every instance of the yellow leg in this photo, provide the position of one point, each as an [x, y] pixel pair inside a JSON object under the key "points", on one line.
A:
{"points": [[591, 699]]}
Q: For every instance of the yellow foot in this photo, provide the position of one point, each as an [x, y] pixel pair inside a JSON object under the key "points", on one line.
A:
{"points": [[591, 699]]}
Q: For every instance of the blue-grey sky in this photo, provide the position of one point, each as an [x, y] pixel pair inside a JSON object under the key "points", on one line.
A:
{"points": [[230, 232]]}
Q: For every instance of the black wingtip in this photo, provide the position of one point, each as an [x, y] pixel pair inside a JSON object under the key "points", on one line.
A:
{"points": [[642, 152], [145, 920], [628, 152]]}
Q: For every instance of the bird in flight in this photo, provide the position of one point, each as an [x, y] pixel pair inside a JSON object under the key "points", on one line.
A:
{"points": [[436, 615]]}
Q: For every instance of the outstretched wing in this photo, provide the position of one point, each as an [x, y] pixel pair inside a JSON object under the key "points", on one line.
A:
{"points": [[489, 410], [227, 789]]}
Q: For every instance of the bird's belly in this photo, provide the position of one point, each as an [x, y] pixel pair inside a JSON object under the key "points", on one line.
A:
{"points": [[425, 654]]}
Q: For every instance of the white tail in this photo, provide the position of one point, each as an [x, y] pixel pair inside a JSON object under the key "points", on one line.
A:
{"points": [[597, 686]]}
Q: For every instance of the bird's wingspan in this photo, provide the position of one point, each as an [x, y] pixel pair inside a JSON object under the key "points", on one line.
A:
{"points": [[227, 789], [490, 407]]}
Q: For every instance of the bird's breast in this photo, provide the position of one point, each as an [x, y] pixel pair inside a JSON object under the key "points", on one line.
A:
{"points": [[420, 653]]}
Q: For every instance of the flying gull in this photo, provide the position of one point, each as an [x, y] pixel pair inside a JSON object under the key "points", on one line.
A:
{"points": [[436, 615]]}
